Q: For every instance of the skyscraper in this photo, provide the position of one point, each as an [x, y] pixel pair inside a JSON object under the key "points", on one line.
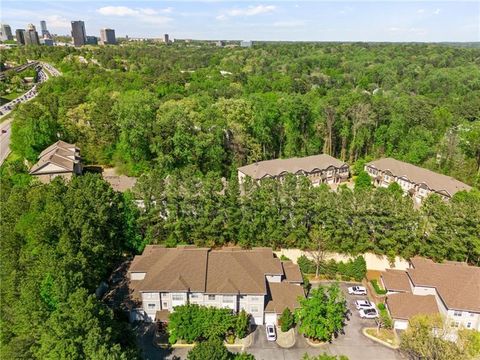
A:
{"points": [[20, 35], [31, 36], [43, 27], [107, 37], [6, 32], [166, 39], [78, 33]]}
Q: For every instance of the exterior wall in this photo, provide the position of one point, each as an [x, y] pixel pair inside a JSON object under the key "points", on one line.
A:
{"points": [[241, 177], [400, 324], [274, 278], [271, 318], [151, 304], [374, 261], [464, 319]]}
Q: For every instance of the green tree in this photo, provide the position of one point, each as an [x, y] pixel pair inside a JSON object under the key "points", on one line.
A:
{"points": [[210, 349], [322, 314], [363, 181], [287, 320]]}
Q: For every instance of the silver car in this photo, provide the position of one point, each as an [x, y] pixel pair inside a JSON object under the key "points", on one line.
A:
{"points": [[271, 333]]}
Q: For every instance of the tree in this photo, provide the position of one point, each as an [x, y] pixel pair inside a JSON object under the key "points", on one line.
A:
{"points": [[317, 247], [363, 181], [324, 356], [242, 324], [322, 314], [424, 339], [287, 320], [210, 349]]}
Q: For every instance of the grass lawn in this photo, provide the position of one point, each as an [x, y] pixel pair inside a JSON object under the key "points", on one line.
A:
{"points": [[385, 335]]}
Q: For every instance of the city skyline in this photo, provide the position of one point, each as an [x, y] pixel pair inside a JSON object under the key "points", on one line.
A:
{"points": [[422, 21]]}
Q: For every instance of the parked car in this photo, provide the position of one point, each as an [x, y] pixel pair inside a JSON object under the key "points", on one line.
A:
{"points": [[357, 290], [364, 304], [371, 313], [271, 333]]}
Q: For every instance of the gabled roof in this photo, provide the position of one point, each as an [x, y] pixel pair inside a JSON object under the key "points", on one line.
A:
{"points": [[269, 168], [65, 163], [283, 295], [406, 305], [292, 272], [59, 145], [457, 283], [435, 181], [396, 280], [188, 268]]}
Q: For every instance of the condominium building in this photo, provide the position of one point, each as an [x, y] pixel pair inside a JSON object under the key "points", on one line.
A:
{"points": [[415, 181], [251, 280], [107, 37], [451, 289], [5, 32], [319, 169], [20, 36], [31, 35]]}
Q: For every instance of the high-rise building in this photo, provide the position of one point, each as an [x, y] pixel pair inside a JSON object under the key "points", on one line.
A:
{"points": [[20, 35], [166, 39], [6, 32], [79, 35], [45, 33], [31, 35], [107, 37], [91, 40]]}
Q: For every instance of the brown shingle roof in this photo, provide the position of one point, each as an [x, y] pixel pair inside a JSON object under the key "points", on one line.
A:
{"points": [[276, 167], [457, 285], [240, 271], [396, 280], [173, 269], [292, 272], [406, 305], [226, 271], [418, 175], [61, 154], [283, 295], [58, 145]]}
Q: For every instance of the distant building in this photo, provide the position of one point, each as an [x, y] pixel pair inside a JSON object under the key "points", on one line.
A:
{"points": [[20, 35], [31, 35], [414, 181], [246, 43], [107, 37], [91, 40], [319, 169], [79, 35], [46, 41], [43, 27], [6, 32], [220, 43], [166, 39], [59, 159]]}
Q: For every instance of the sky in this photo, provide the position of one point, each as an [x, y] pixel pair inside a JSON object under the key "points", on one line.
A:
{"points": [[422, 21]]}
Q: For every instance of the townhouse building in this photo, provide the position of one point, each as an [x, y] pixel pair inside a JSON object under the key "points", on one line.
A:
{"points": [[414, 181], [319, 169], [451, 289], [59, 159], [253, 280]]}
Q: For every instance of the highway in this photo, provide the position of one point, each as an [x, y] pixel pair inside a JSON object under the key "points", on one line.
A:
{"points": [[43, 71]]}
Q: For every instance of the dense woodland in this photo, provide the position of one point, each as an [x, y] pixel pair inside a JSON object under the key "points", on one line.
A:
{"points": [[167, 115]]}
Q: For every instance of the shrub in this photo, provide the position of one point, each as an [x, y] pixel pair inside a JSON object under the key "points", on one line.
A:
{"points": [[242, 323], [306, 265], [210, 349], [381, 306], [377, 288], [287, 321], [284, 258]]}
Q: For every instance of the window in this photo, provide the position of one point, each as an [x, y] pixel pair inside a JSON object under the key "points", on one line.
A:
{"points": [[165, 305], [472, 314], [455, 324], [211, 297], [151, 306], [194, 296], [254, 298], [228, 299], [469, 325], [254, 309], [457, 313], [177, 297]]}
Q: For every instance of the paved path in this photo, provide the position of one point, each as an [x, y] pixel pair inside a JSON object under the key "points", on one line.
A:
{"points": [[5, 127]]}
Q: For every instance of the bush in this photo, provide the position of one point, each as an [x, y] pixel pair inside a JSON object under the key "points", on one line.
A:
{"points": [[195, 323], [377, 288], [287, 321], [242, 323], [210, 349], [381, 306], [306, 265], [284, 258]]}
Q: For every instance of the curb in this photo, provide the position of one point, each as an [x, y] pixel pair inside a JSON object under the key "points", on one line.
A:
{"points": [[314, 345], [288, 346], [381, 342]]}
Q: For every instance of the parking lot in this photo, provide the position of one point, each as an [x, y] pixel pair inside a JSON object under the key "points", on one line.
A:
{"points": [[351, 343]]}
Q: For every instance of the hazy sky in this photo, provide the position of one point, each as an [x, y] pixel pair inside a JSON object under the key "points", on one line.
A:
{"points": [[264, 20]]}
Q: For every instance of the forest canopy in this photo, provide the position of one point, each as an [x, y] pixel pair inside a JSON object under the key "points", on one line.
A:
{"points": [[189, 105]]}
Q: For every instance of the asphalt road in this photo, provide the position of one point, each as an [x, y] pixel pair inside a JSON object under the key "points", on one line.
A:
{"points": [[5, 127]]}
